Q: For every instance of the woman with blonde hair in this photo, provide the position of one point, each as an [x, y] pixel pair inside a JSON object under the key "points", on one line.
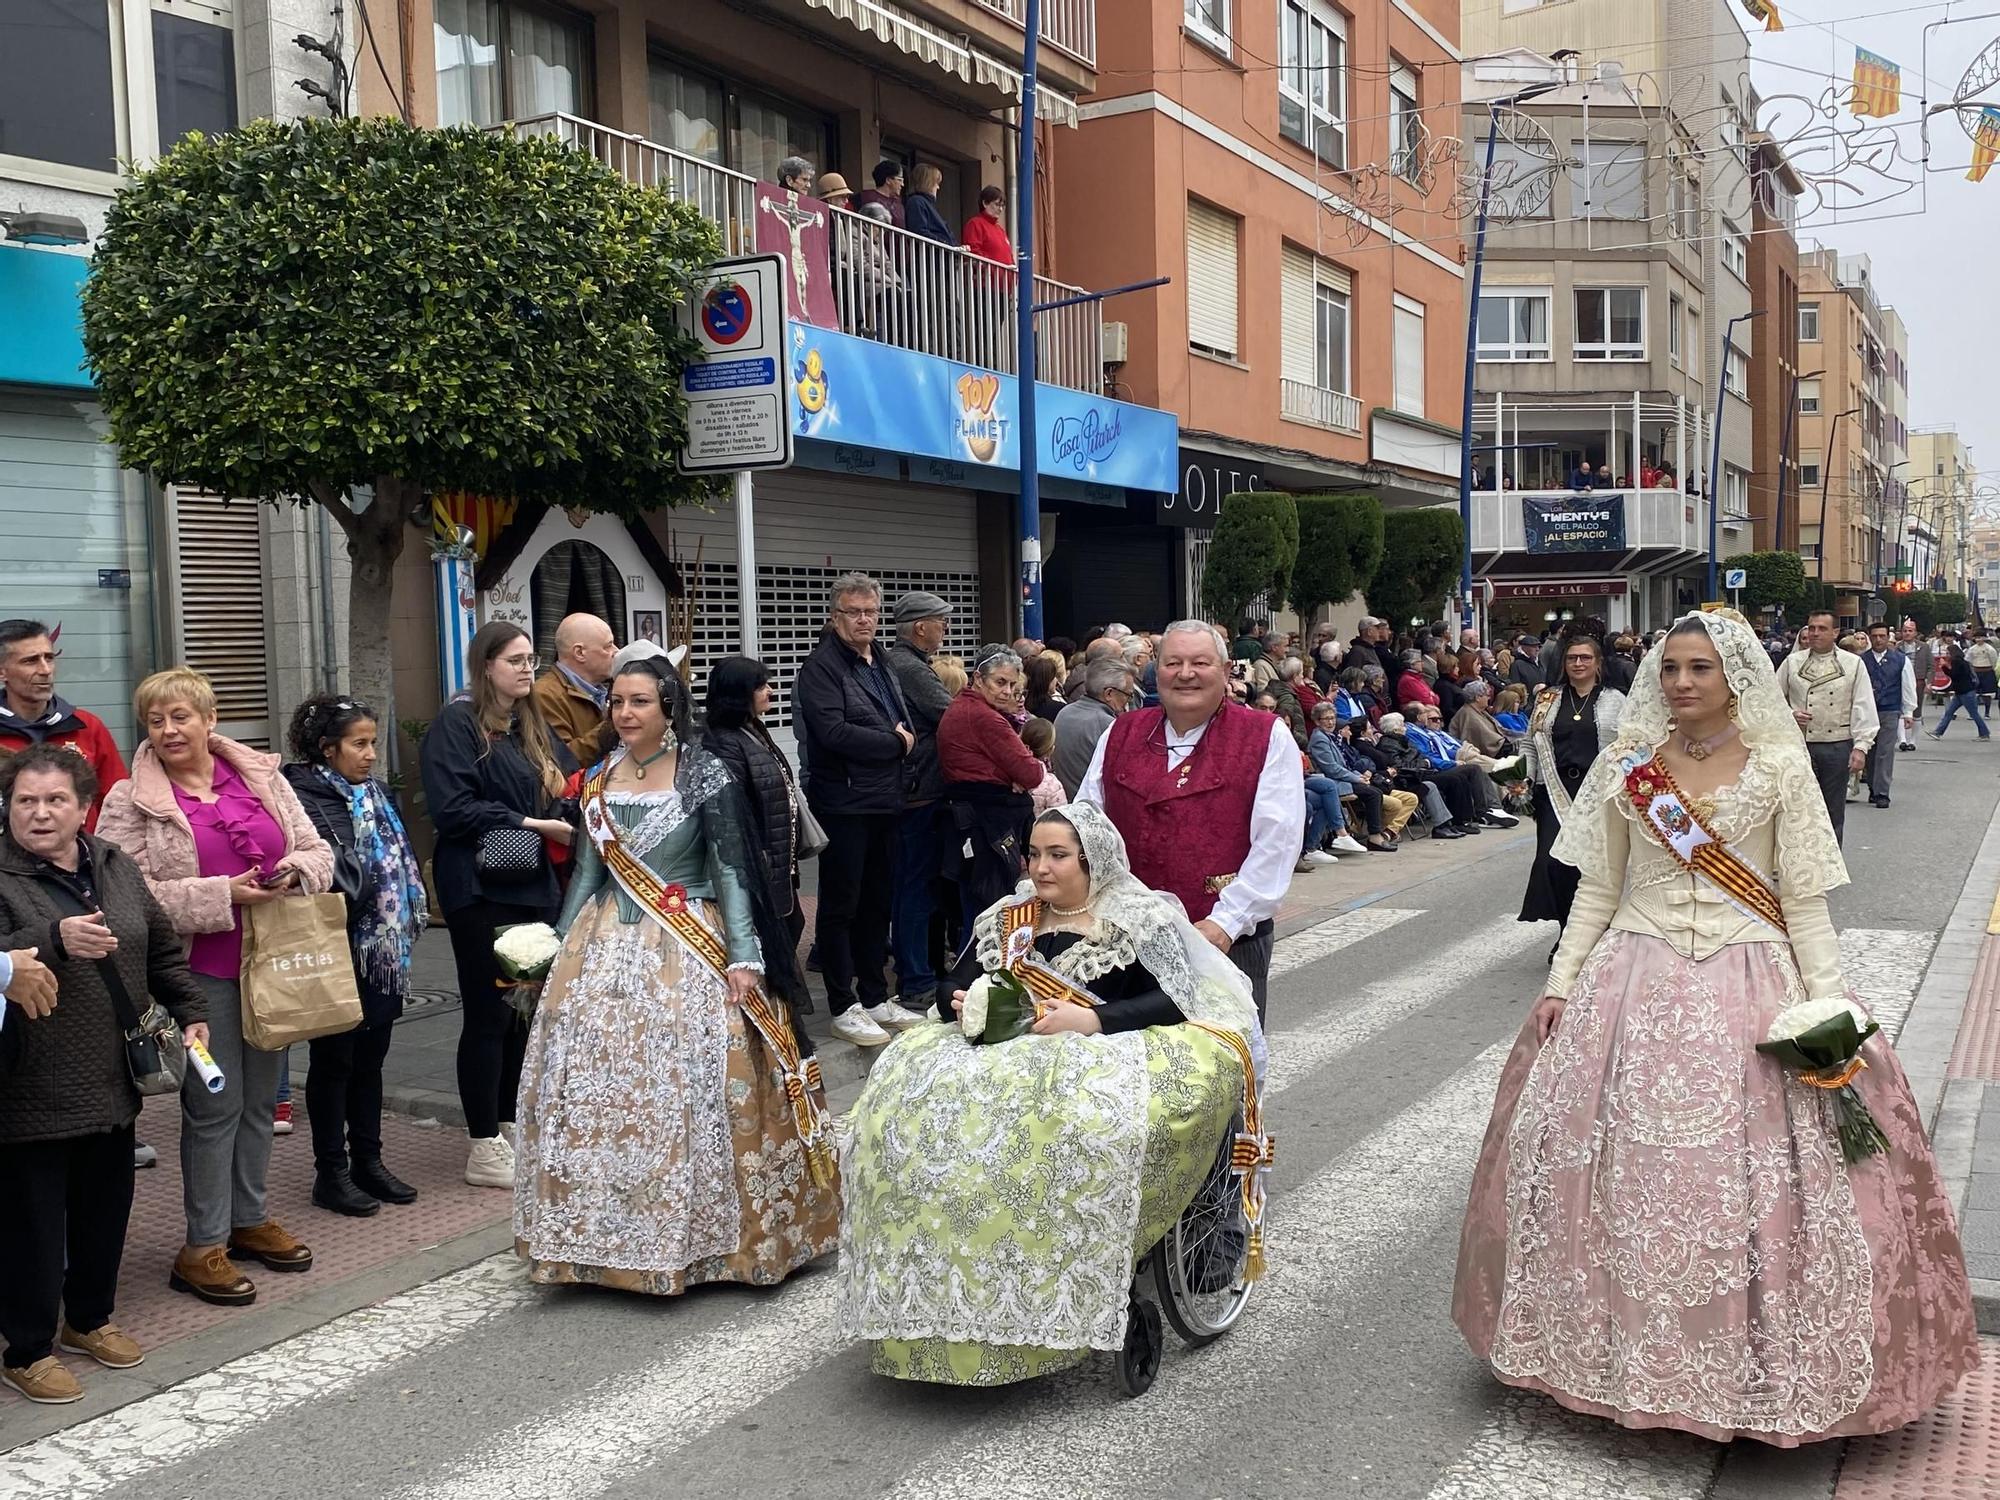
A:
{"points": [[951, 672], [493, 778], [215, 828]]}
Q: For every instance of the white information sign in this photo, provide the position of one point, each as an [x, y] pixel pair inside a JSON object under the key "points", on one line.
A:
{"points": [[1736, 578], [739, 413]]}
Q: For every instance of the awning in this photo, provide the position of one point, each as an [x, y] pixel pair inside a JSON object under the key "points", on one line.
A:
{"points": [[932, 44]]}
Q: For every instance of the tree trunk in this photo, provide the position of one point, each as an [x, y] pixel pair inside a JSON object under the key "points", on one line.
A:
{"points": [[375, 540]]}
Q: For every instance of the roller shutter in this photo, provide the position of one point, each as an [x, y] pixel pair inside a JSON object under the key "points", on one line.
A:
{"points": [[220, 620], [1212, 263]]}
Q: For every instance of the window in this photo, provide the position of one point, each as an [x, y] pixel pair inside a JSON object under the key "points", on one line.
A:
{"points": [[1735, 491], [1330, 331], [1674, 330], [1809, 398], [1609, 180], [1736, 250], [1314, 296], [1211, 255], [1692, 348], [1808, 322], [689, 111], [746, 130], [194, 77], [1522, 182], [1312, 79], [1406, 127], [1736, 373], [56, 101], [1409, 355], [1809, 471], [1513, 325], [510, 60], [1208, 19], [1611, 322]]}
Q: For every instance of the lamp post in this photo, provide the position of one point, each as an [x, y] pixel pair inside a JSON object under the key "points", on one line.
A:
{"points": [[1882, 517], [1825, 474], [1785, 455], [1715, 449], [1028, 507]]}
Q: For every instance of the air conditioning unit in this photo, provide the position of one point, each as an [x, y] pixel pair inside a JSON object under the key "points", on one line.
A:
{"points": [[1112, 344]]}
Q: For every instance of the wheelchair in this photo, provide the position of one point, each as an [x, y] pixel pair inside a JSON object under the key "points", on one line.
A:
{"points": [[1197, 1276]]}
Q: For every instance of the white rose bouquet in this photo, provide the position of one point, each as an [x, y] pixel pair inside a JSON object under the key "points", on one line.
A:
{"points": [[997, 1008], [527, 951], [1822, 1039]]}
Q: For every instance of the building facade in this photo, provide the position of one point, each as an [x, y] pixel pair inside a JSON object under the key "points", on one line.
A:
{"points": [[1773, 498], [1943, 488]]}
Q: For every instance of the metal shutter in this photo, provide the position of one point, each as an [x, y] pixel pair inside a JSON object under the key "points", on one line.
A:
{"points": [[1409, 356], [1331, 275], [220, 626], [1296, 312], [1211, 253]]}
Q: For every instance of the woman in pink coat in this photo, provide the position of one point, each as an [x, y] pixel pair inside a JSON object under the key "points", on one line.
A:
{"points": [[215, 828]]}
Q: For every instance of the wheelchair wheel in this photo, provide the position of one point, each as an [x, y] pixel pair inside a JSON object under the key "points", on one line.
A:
{"points": [[1139, 1360], [1198, 1267]]}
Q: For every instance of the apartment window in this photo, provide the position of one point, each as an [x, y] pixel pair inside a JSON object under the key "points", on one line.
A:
{"points": [[1736, 373], [746, 130], [56, 101], [1208, 19], [194, 76], [1735, 491], [1513, 326], [1674, 330], [1312, 79], [1406, 130], [1809, 471], [1521, 185], [1808, 322], [1211, 256], [1610, 322], [1736, 250], [1331, 362], [1809, 398], [510, 60], [1693, 346], [1409, 355], [1314, 304], [1609, 180]]}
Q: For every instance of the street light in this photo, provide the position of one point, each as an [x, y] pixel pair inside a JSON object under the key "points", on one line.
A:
{"points": [[1715, 451], [1825, 474], [1785, 455], [1883, 481]]}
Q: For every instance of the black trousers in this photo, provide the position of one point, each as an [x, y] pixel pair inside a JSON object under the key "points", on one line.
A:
{"points": [[67, 1206], [857, 881], [492, 1037], [1461, 796], [1370, 798], [1252, 954], [344, 1094], [1829, 763]]}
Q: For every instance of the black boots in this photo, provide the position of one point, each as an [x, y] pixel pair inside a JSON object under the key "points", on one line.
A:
{"points": [[377, 1180], [334, 1188]]}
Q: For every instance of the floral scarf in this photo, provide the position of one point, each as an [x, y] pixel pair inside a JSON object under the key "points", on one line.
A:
{"points": [[385, 932]]}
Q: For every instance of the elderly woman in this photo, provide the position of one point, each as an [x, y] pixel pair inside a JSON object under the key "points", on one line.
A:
{"points": [[1412, 686], [215, 829], [67, 1103], [1284, 688], [1474, 723], [989, 775]]}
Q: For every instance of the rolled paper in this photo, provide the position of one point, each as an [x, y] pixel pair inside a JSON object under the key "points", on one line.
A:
{"points": [[204, 1068]]}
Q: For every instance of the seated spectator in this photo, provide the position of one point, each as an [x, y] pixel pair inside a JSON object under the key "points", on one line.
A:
{"points": [[1306, 688], [1426, 731], [1510, 710], [1412, 687], [1475, 724], [1454, 785], [1039, 735], [1327, 751], [1352, 700]]}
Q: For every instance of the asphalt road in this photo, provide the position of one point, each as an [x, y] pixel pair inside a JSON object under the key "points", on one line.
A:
{"points": [[1344, 1378]]}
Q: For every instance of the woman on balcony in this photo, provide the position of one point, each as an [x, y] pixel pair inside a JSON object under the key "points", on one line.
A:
{"points": [[985, 235], [920, 205]]}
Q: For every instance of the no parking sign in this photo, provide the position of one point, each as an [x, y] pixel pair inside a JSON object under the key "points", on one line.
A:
{"points": [[738, 411]]}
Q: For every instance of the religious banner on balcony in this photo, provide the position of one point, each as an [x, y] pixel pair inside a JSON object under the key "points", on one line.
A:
{"points": [[800, 228], [1587, 522]]}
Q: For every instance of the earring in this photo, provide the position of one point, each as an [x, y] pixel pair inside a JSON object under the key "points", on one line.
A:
{"points": [[667, 740], [1673, 724], [1734, 701]]}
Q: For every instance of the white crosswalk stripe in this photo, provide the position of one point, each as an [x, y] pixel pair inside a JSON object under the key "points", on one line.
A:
{"points": [[1350, 927]]}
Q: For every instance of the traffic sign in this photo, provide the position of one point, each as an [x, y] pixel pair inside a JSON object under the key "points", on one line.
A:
{"points": [[1736, 578], [739, 404]]}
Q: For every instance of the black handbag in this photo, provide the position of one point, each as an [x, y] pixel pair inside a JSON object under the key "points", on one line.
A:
{"points": [[509, 856], [155, 1051]]}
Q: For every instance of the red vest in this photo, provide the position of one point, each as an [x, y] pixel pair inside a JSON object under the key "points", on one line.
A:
{"points": [[1186, 830]]}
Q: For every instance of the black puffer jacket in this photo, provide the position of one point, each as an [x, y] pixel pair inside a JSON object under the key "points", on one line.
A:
{"points": [[64, 1074], [758, 767], [353, 876], [855, 760]]}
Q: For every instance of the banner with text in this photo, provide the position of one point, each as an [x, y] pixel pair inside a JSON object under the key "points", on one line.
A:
{"points": [[1584, 522]]}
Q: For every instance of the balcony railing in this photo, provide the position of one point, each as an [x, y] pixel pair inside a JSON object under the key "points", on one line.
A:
{"points": [[893, 286], [1068, 25], [1655, 520], [1318, 407]]}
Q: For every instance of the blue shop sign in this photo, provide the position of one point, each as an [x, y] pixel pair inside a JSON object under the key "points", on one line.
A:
{"points": [[855, 391], [41, 323]]}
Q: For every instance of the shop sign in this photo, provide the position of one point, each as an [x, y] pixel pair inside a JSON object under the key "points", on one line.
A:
{"points": [[1559, 588], [1587, 522], [1204, 479]]}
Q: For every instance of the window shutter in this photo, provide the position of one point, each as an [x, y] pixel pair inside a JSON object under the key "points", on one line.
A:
{"points": [[1334, 276], [1297, 311], [219, 547], [1403, 79], [1409, 356], [1211, 236]]}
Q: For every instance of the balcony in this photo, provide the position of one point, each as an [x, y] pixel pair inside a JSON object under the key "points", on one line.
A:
{"points": [[1662, 529], [1067, 25], [1316, 406], [893, 286]]}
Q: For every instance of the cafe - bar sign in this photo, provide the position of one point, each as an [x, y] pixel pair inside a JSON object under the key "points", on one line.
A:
{"points": [[1584, 522]]}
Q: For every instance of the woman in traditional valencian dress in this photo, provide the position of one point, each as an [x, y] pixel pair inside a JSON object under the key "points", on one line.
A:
{"points": [[999, 1195], [1664, 1229], [670, 1132], [1570, 722]]}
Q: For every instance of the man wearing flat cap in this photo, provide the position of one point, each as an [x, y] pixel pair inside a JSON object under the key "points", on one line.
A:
{"points": [[920, 625]]}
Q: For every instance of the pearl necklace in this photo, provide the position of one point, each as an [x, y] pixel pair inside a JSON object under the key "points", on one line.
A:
{"points": [[1076, 911]]}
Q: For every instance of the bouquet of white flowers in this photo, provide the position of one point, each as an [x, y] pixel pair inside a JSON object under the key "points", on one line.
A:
{"points": [[997, 1008], [1822, 1039], [526, 950]]}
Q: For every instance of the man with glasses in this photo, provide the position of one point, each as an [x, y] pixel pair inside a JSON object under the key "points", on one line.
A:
{"points": [[32, 714], [1108, 690], [1444, 750], [855, 738], [887, 194]]}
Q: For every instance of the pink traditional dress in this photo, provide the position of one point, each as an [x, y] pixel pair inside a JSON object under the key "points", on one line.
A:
{"points": [[1663, 1229]]}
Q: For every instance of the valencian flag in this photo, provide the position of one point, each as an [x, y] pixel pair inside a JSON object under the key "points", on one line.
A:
{"points": [[1985, 143], [1767, 12], [1878, 85], [482, 515]]}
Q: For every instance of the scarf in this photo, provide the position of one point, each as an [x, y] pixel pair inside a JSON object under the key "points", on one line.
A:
{"points": [[385, 932]]}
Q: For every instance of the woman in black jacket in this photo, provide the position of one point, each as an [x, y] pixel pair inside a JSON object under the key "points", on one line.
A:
{"points": [[67, 1103], [493, 779], [375, 868]]}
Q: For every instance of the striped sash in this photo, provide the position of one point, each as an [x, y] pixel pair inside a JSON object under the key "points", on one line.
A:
{"points": [[1017, 951], [1670, 818]]}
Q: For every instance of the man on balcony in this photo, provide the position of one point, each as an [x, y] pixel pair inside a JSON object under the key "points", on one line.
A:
{"points": [[887, 192]]}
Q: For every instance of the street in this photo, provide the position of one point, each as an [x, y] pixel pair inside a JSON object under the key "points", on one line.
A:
{"points": [[1390, 1020]]}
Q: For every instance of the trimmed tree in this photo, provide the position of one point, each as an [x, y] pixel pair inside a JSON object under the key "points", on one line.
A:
{"points": [[1251, 555], [1421, 551], [1340, 547], [352, 312], [1772, 579]]}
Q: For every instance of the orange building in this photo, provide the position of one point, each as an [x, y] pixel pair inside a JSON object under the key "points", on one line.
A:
{"points": [[1291, 166]]}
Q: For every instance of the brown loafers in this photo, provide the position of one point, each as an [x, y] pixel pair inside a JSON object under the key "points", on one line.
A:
{"points": [[207, 1272], [45, 1382], [270, 1244], [106, 1344]]}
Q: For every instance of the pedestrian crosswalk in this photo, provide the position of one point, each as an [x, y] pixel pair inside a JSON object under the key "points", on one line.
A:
{"points": [[1352, 1217]]}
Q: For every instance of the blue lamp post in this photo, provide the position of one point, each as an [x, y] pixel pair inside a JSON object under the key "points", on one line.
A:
{"points": [[1715, 450]]}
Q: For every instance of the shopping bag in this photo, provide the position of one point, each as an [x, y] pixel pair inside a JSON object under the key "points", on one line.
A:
{"points": [[298, 976]]}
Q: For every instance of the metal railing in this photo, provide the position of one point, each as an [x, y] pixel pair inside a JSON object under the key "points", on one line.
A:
{"points": [[1068, 25], [1667, 520], [890, 285], [1334, 410]]}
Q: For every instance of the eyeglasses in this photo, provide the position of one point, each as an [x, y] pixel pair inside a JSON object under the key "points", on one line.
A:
{"points": [[859, 614]]}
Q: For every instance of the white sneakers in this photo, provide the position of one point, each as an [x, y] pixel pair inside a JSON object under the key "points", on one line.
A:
{"points": [[1313, 858], [1346, 843], [490, 1163], [891, 1016], [870, 1025]]}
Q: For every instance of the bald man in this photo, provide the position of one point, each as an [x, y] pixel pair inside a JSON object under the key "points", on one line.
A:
{"points": [[572, 693]]}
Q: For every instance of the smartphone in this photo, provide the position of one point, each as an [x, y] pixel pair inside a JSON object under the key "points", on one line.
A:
{"points": [[274, 879]]}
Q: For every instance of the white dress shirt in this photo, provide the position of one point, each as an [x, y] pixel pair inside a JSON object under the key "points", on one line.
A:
{"points": [[1277, 824], [1857, 700], [1909, 682]]}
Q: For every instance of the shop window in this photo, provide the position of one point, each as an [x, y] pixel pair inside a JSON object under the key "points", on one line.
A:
{"points": [[56, 101]]}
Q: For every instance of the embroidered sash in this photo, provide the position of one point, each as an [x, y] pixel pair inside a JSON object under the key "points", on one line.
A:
{"points": [[1541, 730], [1668, 816], [1017, 952], [668, 904]]}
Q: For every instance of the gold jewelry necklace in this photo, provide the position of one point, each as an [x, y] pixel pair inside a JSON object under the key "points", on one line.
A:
{"points": [[1581, 700], [640, 762], [1702, 749]]}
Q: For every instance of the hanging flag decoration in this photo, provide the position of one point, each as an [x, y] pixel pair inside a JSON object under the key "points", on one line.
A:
{"points": [[1878, 85], [482, 515], [1765, 11], [1985, 143]]}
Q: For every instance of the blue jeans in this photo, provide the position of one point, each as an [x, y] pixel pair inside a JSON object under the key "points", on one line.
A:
{"points": [[1323, 811], [1970, 703], [915, 898]]}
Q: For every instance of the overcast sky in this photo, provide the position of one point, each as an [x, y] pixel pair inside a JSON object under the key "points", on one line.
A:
{"points": [[1932, 248]]}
